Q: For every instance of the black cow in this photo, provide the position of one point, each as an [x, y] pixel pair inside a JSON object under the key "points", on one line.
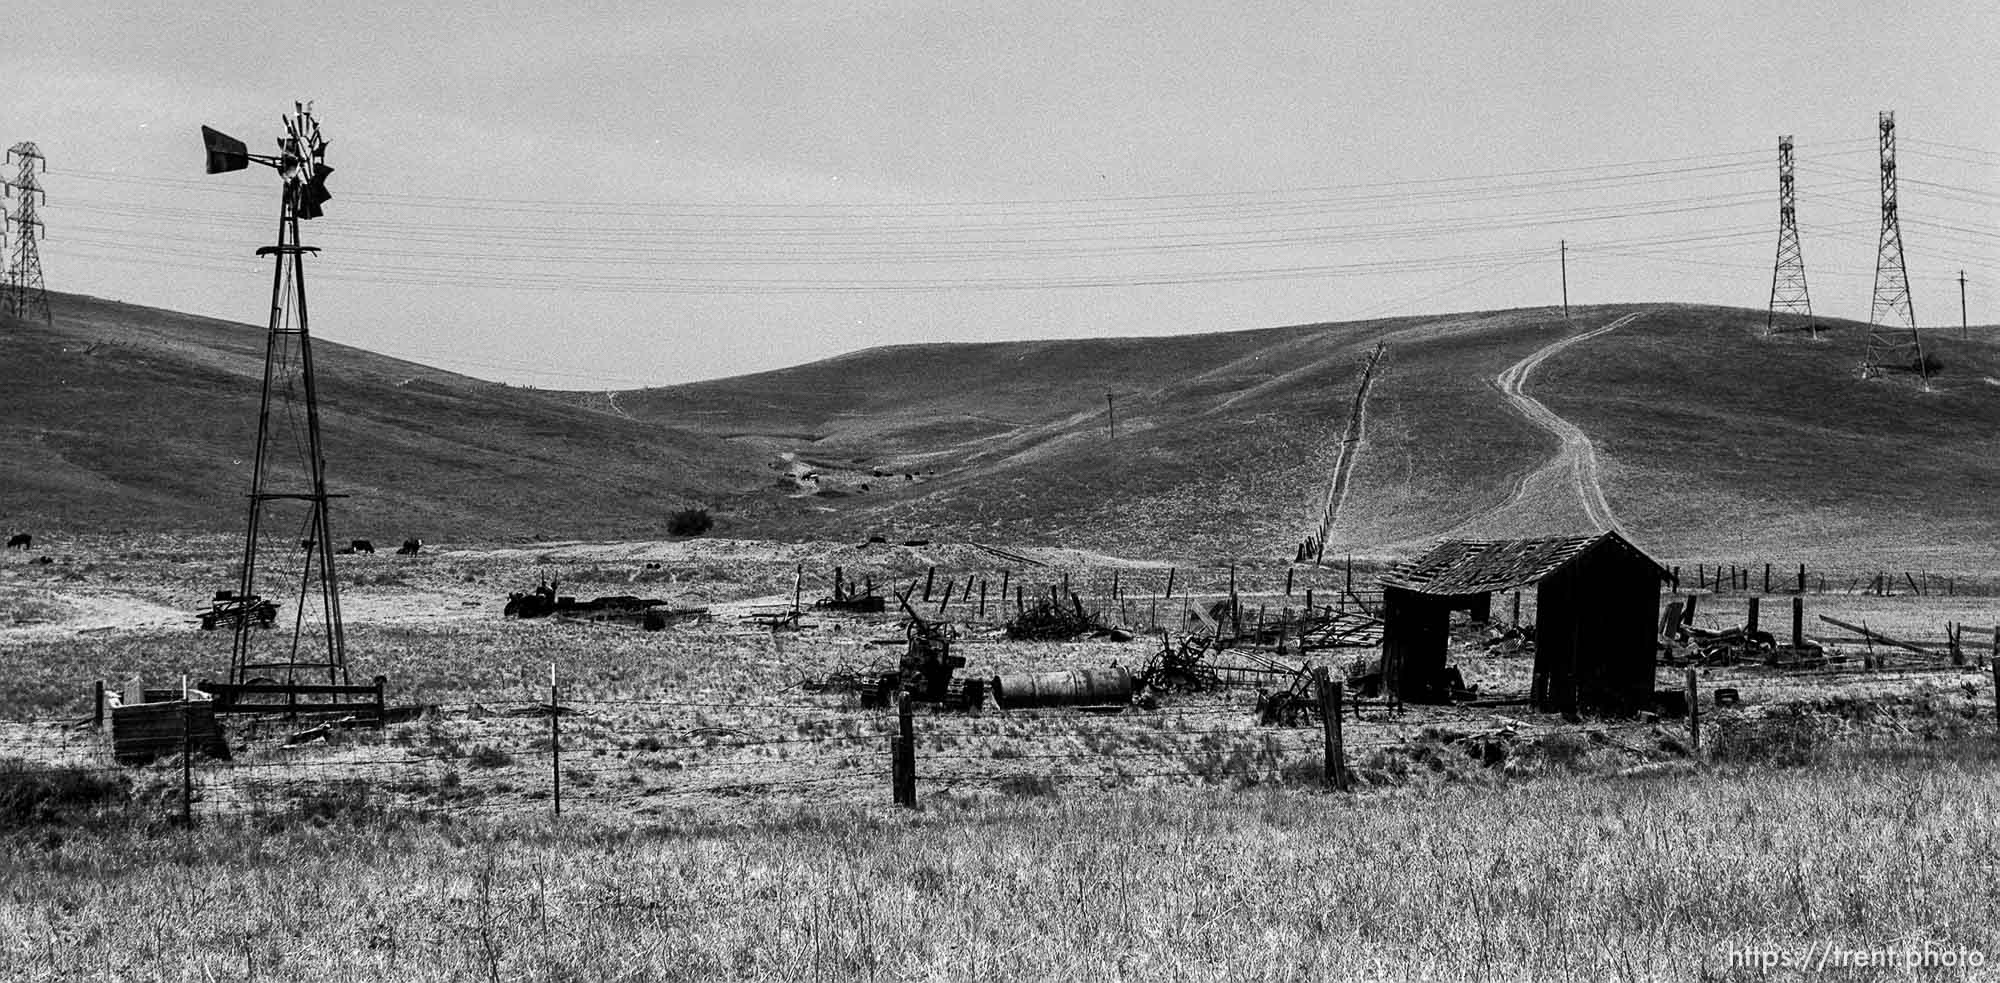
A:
{"points": [[21, 540], [361, 546], [306, 545], [410, 547]]}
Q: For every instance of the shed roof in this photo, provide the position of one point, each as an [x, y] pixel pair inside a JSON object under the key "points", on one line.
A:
{"points": [[1467, 566]]}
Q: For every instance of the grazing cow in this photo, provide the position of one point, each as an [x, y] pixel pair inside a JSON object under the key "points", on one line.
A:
{"points": [[306, 545], [410, 547], [361, 546], [21, 540]]}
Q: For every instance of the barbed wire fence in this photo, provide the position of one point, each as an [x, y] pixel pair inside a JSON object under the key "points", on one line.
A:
{"points": [[640, 756]]}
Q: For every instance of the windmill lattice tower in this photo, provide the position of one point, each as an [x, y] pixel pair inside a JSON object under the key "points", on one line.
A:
{"points": [[26, 297], [288, 530]]}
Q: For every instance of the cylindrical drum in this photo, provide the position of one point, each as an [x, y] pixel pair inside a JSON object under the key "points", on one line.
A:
{"points": [[1075, 687]]}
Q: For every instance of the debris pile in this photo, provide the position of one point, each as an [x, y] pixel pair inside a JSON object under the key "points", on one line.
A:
{"points": [[1049, 620], [649, 613]]}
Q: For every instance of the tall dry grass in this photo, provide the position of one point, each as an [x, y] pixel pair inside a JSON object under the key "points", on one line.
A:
{"points": [[1562, 877]]}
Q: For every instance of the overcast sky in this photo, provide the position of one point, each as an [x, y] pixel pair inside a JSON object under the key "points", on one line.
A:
{"points": [[590, 195]]}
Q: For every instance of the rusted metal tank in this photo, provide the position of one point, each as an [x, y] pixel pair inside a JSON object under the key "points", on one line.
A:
{"points": [[1075, 687]]}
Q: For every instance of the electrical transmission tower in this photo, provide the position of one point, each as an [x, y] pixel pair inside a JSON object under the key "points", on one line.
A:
{"points": [[1892, 324], [1788, 274], [26, 296]]}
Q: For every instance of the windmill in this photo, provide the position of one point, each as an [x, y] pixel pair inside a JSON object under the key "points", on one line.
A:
{"points": [[300, 647]]}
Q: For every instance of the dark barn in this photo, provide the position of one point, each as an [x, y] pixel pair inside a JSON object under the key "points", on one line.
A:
{"points": [[1597, 600]]}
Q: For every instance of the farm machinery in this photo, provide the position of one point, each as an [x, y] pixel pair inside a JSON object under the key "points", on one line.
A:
{"points": [[928, 670], [229, 610]]}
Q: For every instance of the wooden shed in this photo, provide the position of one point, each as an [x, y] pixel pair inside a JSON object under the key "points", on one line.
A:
{"points": [[1597, 601]]}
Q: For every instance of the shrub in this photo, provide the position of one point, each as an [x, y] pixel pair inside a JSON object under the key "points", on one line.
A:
{"points": [[34, 795], [488, 756], [690, 522], [1031, 786]]}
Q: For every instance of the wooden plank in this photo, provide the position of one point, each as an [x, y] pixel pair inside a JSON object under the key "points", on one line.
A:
{"points": [[303, 689], [370, 708], [1876, 636]]}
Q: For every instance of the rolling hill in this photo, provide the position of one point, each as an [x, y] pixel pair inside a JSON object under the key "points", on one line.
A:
{"points": [[123, 418], [1705, 439]]}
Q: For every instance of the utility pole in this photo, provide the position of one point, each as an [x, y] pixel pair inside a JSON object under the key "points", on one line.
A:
{"points": [[1961, 306], [1788, 273], [1563, 244], [1891, 312]]}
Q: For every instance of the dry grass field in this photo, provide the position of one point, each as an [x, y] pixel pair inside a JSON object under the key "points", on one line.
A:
{"points": [[719, 821]]}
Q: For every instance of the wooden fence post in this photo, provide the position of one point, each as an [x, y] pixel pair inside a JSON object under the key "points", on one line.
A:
{"points": [[1750, 621], [1006, 576], [1517, 609], [1798, 622], [1288, 581], [1170, 583], [1694, 711], [930, 577], [1767, 578], [1329, 713], [187, 753], [1996, 684], [555, 741], [1802, 578], [97, 715], [982, 598], [1114, 583], [903, 755], [945, 602]]}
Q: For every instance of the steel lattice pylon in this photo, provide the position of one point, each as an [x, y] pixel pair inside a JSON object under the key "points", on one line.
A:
{"points": [[25, 295], [1892, 331], [1788, 274]]}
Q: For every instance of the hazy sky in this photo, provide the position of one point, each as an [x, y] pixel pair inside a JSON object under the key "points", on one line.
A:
{"points": [[584, 195]]}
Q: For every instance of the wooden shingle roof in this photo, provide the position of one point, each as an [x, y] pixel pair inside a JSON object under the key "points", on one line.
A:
{"points": [[1465, 566]]}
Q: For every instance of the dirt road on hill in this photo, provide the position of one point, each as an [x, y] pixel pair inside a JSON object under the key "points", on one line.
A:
{"points": [[1573, 471]]}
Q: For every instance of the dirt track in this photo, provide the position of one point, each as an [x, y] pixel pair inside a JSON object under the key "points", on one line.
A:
{"points": [[1569, 477]]}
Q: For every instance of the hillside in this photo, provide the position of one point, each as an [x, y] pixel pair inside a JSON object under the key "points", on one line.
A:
{"points": [[1710, 440], [120, 417], [1702, 438]]}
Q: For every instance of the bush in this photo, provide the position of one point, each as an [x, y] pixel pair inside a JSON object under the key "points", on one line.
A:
{"points": [[35, 795], [690, 522], [488, 756]]}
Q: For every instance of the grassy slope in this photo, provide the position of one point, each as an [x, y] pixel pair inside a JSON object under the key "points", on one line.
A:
{"points": [[123, 417], [1224, 440], [1721, 442], [1715, 442]]}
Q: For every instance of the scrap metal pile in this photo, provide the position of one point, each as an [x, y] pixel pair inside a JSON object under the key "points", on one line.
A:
{"points": [[649, 613]]}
